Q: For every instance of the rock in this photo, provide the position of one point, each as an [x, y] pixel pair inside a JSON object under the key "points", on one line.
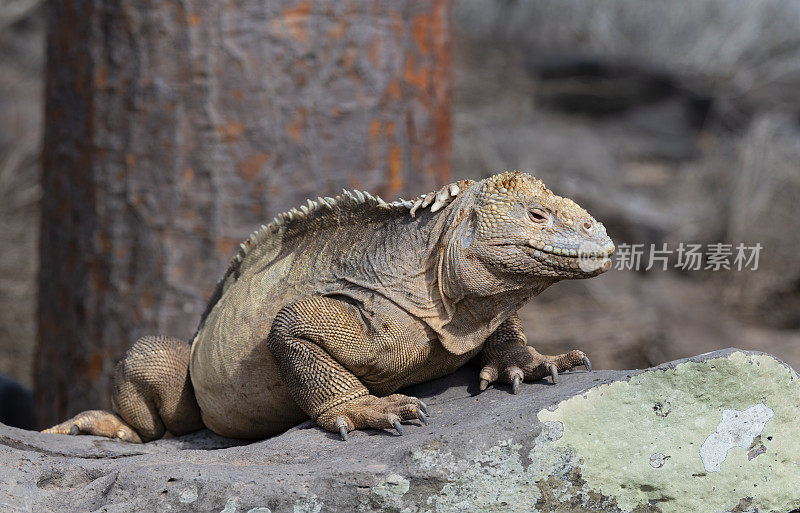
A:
{"points": [[712, 433]]}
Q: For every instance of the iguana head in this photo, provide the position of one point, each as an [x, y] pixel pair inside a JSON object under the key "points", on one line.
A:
{"points": [[518, 229]]}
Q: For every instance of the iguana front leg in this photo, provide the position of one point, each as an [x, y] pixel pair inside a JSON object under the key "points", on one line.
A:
{"points": [[320, 346], [507, 357]]}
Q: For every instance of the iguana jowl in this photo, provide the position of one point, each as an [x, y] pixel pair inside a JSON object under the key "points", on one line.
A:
{"points": [[330, 309]]}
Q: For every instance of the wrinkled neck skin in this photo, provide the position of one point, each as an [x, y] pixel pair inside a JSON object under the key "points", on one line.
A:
{"points": [[475, 299], [423, 265]]}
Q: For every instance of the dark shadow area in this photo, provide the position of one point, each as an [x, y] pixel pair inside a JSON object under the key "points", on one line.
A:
{"points": [[603, 89], [16, 404]]}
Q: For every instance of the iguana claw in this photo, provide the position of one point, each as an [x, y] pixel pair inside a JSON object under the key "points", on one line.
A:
{"points": [[483, 384], [423, 407], [553, 372], [398, 426], [515, 384], [587, 363], [342, 425], [422, 418]]}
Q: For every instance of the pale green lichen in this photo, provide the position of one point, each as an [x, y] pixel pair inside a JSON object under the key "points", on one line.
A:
{"points": [[231, 506], [391, 490], [188, 495], [635, 446], [393, 485], [491, 481], [497, 480], [618, 428], [736, 429], [308, 505]]}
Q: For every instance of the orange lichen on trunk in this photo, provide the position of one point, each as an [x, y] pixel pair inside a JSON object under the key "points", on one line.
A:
{"points": [[298, 125], [230, 131], [395, 178], [250, 167], [415, 75], [296, 20], [421, 31], [225, 245]]}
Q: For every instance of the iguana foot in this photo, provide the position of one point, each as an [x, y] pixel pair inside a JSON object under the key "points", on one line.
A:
{"points": [[524, 363], [99, 423], [373, 412]]}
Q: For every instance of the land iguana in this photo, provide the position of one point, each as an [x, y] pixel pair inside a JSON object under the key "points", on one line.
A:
{"points": [[328, 310]]}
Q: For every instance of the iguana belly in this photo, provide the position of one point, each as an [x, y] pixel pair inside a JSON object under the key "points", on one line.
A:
{"points": [[236, 382], [241, 397]]}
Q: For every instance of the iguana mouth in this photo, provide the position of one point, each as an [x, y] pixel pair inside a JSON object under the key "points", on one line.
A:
{"points": [[589, 262], [572, 254], [601, 252]]}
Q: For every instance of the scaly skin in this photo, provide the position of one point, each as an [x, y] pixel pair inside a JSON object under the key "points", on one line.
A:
{"points": [[330, 309]]}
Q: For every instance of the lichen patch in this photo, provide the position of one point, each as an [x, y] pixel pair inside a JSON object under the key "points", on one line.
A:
{"points": [[622, 433], [188, 495], [736, 429]]}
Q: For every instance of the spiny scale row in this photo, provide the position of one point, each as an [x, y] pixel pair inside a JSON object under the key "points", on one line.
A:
{"points": [[439, 198], [347, 198]]}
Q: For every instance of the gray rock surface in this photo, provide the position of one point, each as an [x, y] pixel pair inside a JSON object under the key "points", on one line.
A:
{"points": [[711, 433]]}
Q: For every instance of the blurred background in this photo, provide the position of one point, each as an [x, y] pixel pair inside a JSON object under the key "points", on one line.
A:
{"points": [[141, 142]]}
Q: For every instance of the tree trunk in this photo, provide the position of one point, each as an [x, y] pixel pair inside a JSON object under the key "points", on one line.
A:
{"points": [[173, 129]]}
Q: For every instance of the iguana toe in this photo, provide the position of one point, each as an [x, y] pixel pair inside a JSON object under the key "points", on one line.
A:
{"points": [[99, 423], [373, 412], [504, 372], [519, 363], [488, 376], [553, 372], [544, 365]]}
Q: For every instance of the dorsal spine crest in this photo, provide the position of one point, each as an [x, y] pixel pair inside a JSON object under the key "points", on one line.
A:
{"points": [[347, 200]]}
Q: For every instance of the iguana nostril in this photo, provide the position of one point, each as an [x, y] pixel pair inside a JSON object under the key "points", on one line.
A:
{"points": [[588, 226]]}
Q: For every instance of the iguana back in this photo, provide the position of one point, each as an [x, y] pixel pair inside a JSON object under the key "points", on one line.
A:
{"points": [[354, 246]]}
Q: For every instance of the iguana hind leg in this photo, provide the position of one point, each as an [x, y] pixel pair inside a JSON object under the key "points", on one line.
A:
{"points": [[507, 358], [152, 394], [319, 345]]}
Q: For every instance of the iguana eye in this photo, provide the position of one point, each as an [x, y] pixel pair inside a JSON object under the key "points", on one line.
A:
{"points": [[538, 215]]}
